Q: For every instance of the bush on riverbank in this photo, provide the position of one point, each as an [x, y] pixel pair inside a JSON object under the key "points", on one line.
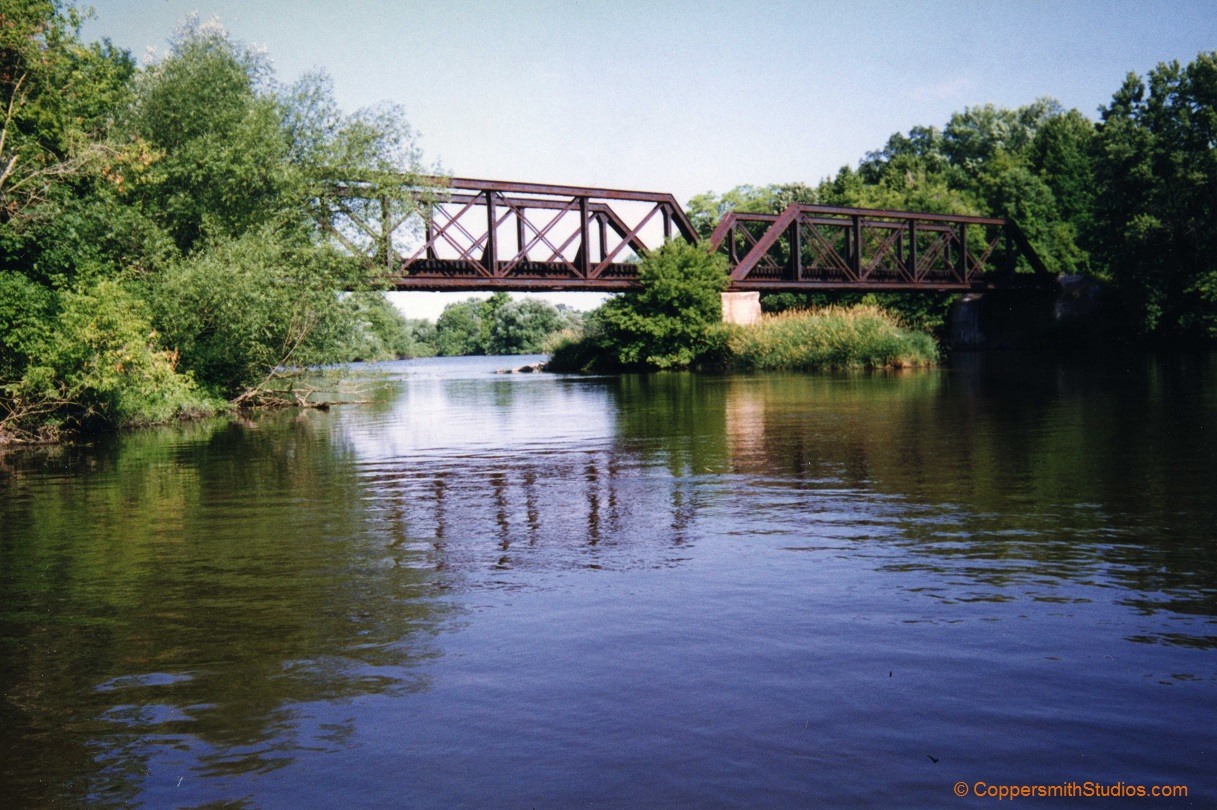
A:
{"points": [[863, 336], [668, 323], [98, 362]]}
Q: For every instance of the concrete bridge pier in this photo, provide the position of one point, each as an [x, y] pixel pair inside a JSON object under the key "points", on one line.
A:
{"points": [[742, 308]]}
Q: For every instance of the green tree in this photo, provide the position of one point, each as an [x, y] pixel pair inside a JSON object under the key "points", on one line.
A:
{"points": [[205, 108], [380, 331], [705, 210], [1060, 153], [1156, 169], [58, 95], [373, 149], [498, 325], [458, 329], [522, 327], [666, 322]]}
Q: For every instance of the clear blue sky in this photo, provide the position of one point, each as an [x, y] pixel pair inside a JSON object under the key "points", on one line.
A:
{"points": [[682, 96]]}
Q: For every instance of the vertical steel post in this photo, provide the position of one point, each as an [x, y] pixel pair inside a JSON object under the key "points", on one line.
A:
{"points": [[963, 251], [913, 248], [667, 223], [796, 250], [521, 239], [429, 231], [583, 258], [855, 257], [490, 259], [602, 221]]}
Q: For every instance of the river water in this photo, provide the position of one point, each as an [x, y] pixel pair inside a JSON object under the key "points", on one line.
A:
{"points": [[518, 591]]}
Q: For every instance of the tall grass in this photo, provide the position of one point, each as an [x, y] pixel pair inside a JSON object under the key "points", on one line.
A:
{"points": [[862, 336]]}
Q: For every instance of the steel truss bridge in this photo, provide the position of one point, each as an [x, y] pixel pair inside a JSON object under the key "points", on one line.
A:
{"points": [[470, 234]]}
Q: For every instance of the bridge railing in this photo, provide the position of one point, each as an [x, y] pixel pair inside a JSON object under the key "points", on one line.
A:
{"points": [[809, 246]]}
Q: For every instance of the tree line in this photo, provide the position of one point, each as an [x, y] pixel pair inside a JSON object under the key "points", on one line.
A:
{"points": [[164, 245], [1128, 199]]}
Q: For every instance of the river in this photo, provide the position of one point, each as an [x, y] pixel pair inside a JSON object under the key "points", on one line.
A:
{"points": [[529, 590]]}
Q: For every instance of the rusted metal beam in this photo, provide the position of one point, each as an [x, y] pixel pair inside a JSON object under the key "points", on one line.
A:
{"points": [[764, 244]]}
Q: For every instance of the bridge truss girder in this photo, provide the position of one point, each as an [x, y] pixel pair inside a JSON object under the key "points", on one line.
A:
{"points": [[491, 235], [483, 234], [809, 247]]}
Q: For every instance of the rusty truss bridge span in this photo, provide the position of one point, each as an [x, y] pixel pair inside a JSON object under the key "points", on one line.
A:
{"points": [[490, 235]]}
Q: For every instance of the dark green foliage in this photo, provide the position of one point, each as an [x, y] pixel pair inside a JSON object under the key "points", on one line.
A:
{"points": [[56, 95], [99, 361], [669, 323], [223, 168], [663, 324], [458, 329], [158, 244], [248, 305], [26, 310], [163, 241], [1060, 154], [1129, 200], [1156, 169]]}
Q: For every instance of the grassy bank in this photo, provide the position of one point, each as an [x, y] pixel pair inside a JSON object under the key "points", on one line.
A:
{"points": [[863, 336]]}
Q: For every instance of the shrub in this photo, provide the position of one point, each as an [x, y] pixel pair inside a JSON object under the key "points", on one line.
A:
{"points": [[243, 307], [101, 363], [571, 351]]}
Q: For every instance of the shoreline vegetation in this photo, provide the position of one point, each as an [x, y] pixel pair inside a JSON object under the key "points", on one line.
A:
{"points": [[833, 338], [675, 322], [164, 255]]}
